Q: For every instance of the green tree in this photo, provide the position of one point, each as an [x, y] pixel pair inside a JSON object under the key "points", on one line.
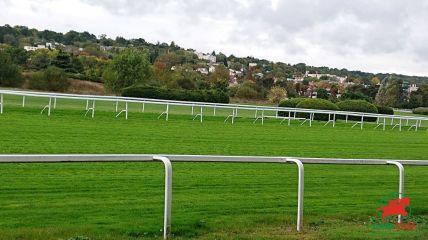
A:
{"points": [[63, 61], [18, 55], [10, 73], [219, 78], [127, 68], [322, 93], [39, 60]]}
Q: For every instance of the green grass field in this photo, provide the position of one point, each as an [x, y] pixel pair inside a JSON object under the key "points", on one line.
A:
{"points": [[210, 201]]}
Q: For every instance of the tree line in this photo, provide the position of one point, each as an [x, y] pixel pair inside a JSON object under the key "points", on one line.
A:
{"points": [[120, 63]]}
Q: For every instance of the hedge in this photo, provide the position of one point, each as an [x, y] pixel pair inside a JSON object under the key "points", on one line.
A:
{"points": [[176, 94], [316, 103], [421, 110], [357, 106], [385, 110], [289, 103]]}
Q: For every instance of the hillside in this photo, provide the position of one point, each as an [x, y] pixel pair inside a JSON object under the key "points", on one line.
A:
{"points": [[119, 63]]}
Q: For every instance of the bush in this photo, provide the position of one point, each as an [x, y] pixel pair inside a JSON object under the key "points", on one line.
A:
{"points": [[316, 103], [385, 110], [421, 110], [290, 103], [233, 90], [357, 106], [10, 73], [52, 79], [246, 92], [176, 94]]}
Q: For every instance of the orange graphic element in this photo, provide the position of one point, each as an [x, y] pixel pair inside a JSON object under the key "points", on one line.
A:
{"points": [[405, 226], [395, 207]]}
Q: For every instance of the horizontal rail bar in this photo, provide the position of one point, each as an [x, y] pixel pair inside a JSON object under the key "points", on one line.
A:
{"points": [[42, 158]]}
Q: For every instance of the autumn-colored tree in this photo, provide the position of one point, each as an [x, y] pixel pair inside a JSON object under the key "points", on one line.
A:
{"points": [[389, 92], [277, 94]]}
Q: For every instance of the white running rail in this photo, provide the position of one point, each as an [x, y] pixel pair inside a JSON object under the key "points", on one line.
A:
{"points": [[332, 115]]}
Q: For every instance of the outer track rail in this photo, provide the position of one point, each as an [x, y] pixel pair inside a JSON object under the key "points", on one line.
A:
{"points": [[233, 107]]}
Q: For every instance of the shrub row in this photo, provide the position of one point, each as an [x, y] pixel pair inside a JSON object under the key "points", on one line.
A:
{"points": [[347, 105], [421, 110], [176, 94], [357, 106], [289, 103], [316, 103], [385, 110]]}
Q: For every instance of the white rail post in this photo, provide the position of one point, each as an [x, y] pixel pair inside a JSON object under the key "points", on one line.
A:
{"points": [[401, 181], [201, 112], [168, 196], [289, 118], [334, 119], [126, 110], [193, 109], [143, 107], [23, 101], [117, 105], [93, 108], [255, 114], [1, 103], [400, 125], [362, 121], [233, 116], [214, 110], [49, 106], [384, 123], [300, 191], [263, 116], [54, 104], [167, 112]]}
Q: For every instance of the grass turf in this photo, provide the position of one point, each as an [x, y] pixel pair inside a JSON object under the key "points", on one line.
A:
{"points": [[210, 201]]}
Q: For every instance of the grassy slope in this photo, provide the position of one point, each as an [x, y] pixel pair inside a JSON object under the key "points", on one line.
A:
{"points": [[226, 201]]}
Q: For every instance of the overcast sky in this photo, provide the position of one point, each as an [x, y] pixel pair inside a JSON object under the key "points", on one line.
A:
{"points": [[375, 36]]}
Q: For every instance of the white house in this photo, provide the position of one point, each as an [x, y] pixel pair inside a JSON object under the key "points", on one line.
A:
{"points": [[211, 69], [32, 48], [250, 65], [50, 45], [208, 57], [412, 88], [202, 70], [331, 76]]}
